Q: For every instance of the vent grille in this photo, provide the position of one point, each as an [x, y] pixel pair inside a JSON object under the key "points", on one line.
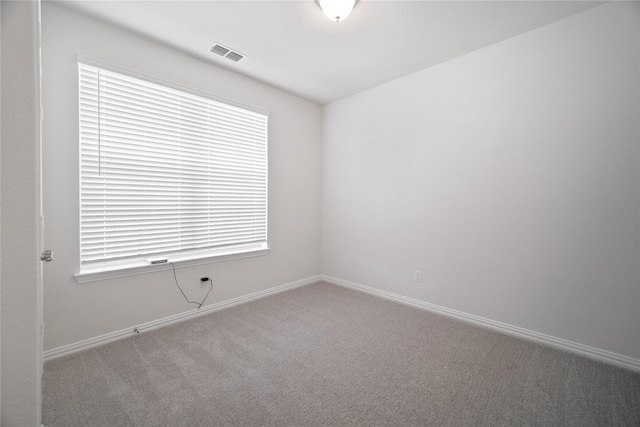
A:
{"points": [[223, 51], [220, 50], [234, 56]]}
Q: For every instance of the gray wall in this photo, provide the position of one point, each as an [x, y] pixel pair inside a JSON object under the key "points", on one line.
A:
{"points": [[21, 320], [74, 312], [509, 176]]}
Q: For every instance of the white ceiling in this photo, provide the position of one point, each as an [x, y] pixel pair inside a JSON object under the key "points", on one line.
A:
{"points": [[293, 46]]}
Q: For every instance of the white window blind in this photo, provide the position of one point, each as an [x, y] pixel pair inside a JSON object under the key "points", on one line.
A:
{"points": [[165, 172]]}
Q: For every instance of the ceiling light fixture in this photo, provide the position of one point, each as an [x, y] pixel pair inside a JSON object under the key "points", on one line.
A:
{"points": [[337, 10]]}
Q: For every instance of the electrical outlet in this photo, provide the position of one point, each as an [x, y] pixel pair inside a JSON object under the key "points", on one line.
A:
{"points": [[417, 276]]}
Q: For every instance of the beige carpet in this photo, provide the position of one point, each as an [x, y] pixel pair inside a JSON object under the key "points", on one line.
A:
{"points": [[322, 355]]}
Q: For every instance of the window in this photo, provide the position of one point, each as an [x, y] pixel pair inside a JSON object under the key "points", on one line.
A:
{"points": [[166, 173]]}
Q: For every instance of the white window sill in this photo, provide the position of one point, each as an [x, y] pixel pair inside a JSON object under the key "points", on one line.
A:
{"points": [[142, 267]]}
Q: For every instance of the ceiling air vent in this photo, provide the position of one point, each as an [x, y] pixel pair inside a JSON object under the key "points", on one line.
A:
{"points": [[218, 49], [234, 56]]}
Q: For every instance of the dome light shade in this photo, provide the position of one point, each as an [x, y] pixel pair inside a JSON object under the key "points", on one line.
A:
{"points": [[337, 10]]}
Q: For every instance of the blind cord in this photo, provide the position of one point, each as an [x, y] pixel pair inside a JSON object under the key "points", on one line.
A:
{"points": [[182, 292], [99, 123]]}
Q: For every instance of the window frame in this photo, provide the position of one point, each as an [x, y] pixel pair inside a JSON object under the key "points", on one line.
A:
{"points": [[142, 264]]}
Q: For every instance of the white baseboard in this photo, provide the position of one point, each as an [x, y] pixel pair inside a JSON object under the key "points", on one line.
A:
{"points": [[180, 317], [526, 334]]}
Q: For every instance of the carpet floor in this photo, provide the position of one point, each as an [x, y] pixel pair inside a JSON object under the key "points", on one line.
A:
{"points": [[322, 355]]}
